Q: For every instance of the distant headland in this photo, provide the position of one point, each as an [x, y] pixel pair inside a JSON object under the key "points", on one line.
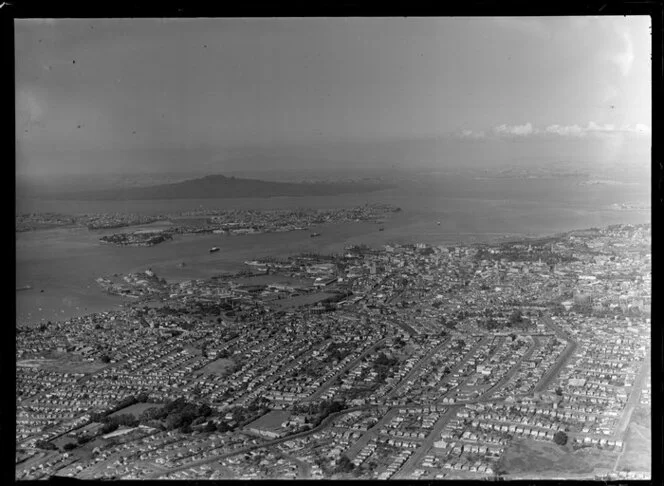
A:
{"points": [[220, 186]]}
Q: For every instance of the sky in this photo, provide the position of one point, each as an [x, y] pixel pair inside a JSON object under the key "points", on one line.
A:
{"points": [[158, 94]]}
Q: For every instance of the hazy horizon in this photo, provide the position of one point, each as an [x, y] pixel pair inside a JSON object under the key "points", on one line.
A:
{"points": [[132, 96]]}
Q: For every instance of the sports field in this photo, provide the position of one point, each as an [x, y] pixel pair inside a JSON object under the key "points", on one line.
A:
{"points": [[270, 421]]}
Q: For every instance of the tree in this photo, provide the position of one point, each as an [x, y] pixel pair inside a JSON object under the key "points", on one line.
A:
{"points": [[345, 465], [198, 421], [516, 317], [559, 391], [204, 410], [42, 444], [69, 446], [108, 428], [97, 417], [560, 438]]}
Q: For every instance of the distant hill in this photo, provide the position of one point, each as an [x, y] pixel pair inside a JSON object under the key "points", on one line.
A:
{"points": [[219, 186]]}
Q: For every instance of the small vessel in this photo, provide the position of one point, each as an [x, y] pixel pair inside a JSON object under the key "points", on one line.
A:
{"points": [[313, 235], [213, 249], [438, 223], [381, 229], [25, 287]]}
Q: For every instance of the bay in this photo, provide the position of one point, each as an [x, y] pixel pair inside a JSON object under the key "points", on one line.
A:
{"points": [[64, 262]]}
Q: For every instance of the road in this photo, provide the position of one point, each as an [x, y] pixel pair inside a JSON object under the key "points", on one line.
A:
{"points": [[303, 468], [633, 400], [358, 445], [416, 458], [351, 364], [271, 443], [260, 386], [461, 364], [407, 328], [508, 376], [416, 368], [562, 360], [91, 376]]}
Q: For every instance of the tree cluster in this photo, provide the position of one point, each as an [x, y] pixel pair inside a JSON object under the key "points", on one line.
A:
{"points": [[178, 413], [383, 365], [560, 438], [43, 444], [320, 411], [344, 465], [337, 351]]}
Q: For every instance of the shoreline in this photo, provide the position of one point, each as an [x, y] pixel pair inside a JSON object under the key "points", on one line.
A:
{"points": [[495, 239]]}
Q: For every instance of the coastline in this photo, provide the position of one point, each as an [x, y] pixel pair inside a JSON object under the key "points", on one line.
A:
{"points": [[68, 304]]}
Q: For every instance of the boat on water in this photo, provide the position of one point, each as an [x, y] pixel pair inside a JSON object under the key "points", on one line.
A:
{"points": [[313, 235], [381, 229], [438, 223], [213, 249], [25, 287]]}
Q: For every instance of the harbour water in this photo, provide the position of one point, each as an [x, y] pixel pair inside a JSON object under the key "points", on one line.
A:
{"points": [[61, 265]]}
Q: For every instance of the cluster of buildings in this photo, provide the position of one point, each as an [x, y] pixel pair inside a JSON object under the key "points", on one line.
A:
{"points": [[137, 238], [239, 221], [134, 285], [234, 222], [35, 221], [437, 359]]}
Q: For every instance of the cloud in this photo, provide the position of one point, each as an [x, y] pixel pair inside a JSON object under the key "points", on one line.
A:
{"points": [[516, 130], [565, 131], [595, 129], [592, 129], [610, 93], [29, 109], [641, 128], [471, 134], [625, 59]]}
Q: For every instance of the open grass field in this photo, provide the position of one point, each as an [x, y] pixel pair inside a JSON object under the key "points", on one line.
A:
{"points": [[136, 409], [300, 300], [642, 416], [638, 450], [638, 442], [64, 363], [536, 459], [270, 421], [275, 278], [217, 367]]}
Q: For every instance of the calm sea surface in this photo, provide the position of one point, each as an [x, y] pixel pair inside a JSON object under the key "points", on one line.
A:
{"points": [[64, 263]]}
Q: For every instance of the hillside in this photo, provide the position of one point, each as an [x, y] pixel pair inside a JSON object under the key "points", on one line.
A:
{"points": [[219, 186]]}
